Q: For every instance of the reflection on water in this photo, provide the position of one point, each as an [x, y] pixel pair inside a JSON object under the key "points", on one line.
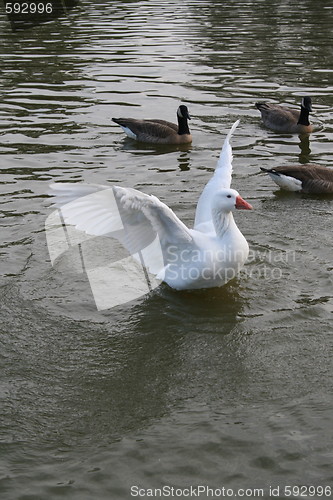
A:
{"points": [[229, 386], [304, 146]]}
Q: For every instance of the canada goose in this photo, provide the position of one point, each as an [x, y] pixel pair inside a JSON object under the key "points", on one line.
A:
{"points": [[158, 131], [313, 179], [284, 119]]}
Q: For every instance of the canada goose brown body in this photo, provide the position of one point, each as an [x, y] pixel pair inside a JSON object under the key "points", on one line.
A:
{"points": [[310, 178], [284, 119], [158, 131]]}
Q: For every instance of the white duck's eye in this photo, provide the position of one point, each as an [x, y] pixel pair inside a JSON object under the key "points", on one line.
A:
{"points": [[228, 195]]}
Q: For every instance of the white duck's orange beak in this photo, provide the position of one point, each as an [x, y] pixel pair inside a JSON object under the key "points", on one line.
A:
{"points": [[242, 204]]}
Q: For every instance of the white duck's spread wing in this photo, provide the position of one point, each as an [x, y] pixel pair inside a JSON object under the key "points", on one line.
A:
{"points": [[65, 193], [223, 170], [220, 180], [135, 219], [137, 208], [91, 208]]}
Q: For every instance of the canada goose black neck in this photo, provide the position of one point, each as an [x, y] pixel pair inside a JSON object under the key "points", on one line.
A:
{"points": [[183, 126], [183, 116], [305, 110], [304, 117]]}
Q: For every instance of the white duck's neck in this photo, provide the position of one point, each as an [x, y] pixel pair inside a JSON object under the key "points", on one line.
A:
{"points": [[222, 222]]}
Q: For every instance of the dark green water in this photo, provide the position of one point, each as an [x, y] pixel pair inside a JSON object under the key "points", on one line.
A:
{"points": [[229, 387]]}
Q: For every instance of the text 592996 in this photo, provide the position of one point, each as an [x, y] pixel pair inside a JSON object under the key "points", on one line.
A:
{"points": [[28, 8]]}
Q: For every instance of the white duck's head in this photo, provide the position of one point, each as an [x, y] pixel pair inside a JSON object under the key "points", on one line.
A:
{"points": [[228, 200]]}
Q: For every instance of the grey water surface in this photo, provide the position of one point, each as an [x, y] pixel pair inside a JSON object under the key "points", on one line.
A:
{"points": [[228, 387]]}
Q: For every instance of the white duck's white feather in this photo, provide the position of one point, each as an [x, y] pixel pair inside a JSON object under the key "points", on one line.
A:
{"points": [[220, 180], [191, 258]]}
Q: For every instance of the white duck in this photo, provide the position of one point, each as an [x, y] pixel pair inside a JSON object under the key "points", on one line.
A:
{"points": [[206, 256]]}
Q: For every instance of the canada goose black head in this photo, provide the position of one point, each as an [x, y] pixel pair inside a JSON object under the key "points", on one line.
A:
{"points": [[307, 103], [182, 112]]}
